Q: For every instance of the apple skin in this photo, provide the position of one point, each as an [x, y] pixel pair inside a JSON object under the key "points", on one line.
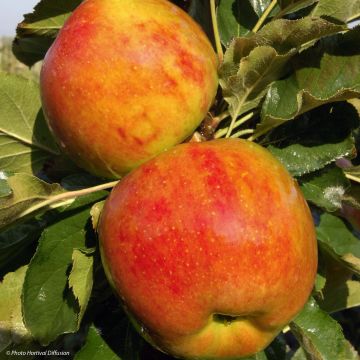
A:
{"points": [[209, 228], [125, 80]]}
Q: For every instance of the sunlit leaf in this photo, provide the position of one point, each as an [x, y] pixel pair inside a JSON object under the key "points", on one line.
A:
{"points": [[37, 31], [25, 140], [338, 10], [325, 73], [235, 18], [28, 195], [12, 326], [338, 241], [320, 336], [325, 188], [300, 159], [49, 305], [81, 278], [252, 63]]}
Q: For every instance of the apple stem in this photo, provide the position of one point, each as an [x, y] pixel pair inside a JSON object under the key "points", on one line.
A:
{"points": [[242, 132], [62, 199], [352, 177], [220, 133], [264, 16], [219, 49]]}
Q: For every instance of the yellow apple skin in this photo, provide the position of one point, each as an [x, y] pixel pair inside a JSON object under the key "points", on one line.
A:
{"points": [[204, 229], [126, 80]]}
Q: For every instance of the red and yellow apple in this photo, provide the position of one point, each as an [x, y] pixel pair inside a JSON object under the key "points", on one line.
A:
{"points": [[211, 248], [126, 80]]}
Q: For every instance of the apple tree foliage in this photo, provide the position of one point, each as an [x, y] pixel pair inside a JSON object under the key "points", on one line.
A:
{"points": [[289, 79]]}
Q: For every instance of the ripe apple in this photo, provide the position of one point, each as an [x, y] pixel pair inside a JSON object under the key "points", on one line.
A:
{"points": [[211, 247], [126, 80]]}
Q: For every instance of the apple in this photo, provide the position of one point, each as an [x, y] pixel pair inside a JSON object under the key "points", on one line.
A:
{"points": [[125, 80], [211, 248]]}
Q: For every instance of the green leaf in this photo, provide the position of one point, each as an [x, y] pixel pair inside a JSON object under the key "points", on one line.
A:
{"points": [[319, 283], [252, 63], [200, 11], [5, 189], [79, 181], [344, 295], [95, 348], [35, 34], [49, 306], [28, 194], [338, 10], [259, 6], [289, 6], [320, 336], [81, 278], [338, 241], [16, 156], [235, 18], [300, 159], [30, 50], [352, 199], [15, 242], [25, 140], [340, 291], [325, 188], [12, 326], [323, 74]]}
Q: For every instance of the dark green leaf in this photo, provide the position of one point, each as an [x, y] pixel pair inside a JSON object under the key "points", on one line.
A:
{"points": [[95, 348], [325, 188], [289, 6], [351, 199], [235, 18], [25, 140], [30, 50], [38, 30], [320, 336], [338, 241], [49, 306], [340, 291], [341, 296], [323, 74], [15, 242], [338, 10], [200, 11], [252, 63], [79, 181], [300, 159]]}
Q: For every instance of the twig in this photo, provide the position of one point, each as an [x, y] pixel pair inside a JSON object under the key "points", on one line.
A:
{"points": [[219, 49], [264, 16]]}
